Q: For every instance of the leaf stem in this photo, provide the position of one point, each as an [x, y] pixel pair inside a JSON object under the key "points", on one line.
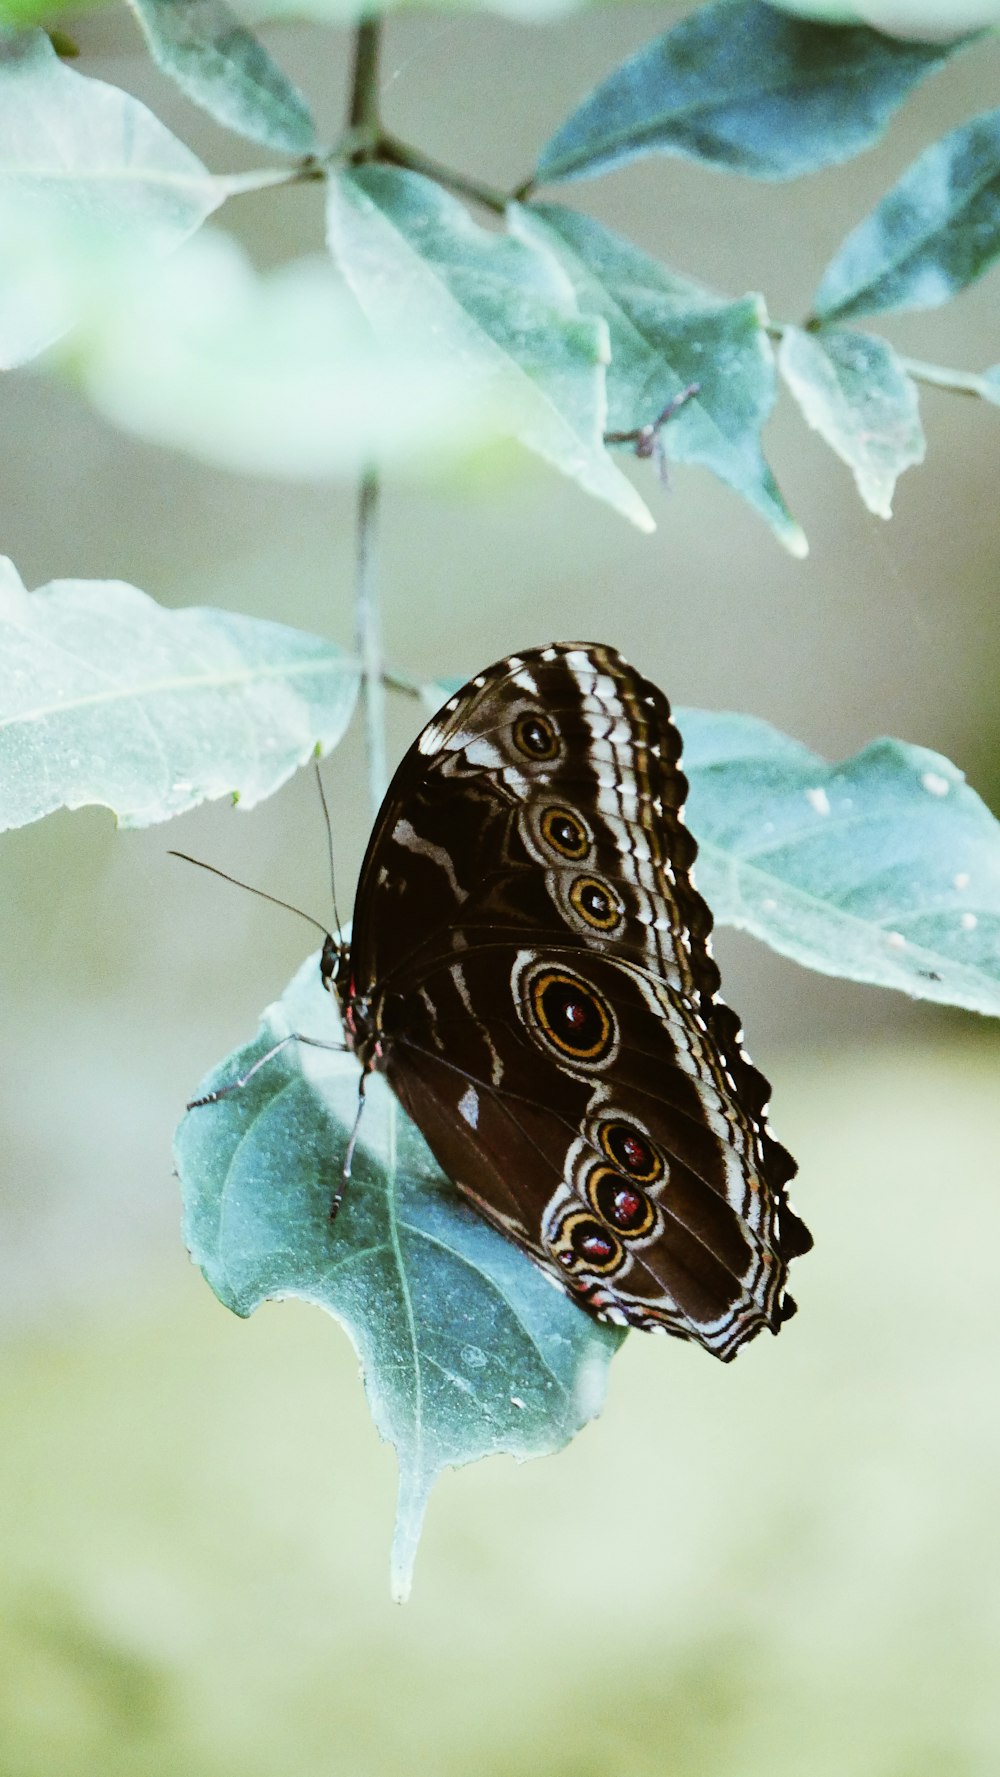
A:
{"points": [[259, 178], [400, 154], [368, 639]]}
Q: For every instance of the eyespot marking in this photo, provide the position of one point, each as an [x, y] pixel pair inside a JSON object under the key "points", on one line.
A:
{"points": [[632, 1151], [565, 833], [620, 1203], [535, 736], [584, 1244], [596, 903]]}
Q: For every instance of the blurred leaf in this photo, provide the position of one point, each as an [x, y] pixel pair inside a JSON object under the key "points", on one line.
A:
{"points": [[337, 12], [991, 384], [457, 296], [665, 335], [884, 868], [936, 231], [741, 85], [855, 393], [107, 698], [78, 154], [20, 15], [274, 374], [466, 1349], [226, 70]]}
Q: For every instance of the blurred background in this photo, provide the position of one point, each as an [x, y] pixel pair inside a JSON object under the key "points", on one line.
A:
{"points": [[786, 1566]]}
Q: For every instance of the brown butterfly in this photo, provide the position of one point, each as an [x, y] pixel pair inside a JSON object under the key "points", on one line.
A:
{"points": [[530, 969]]}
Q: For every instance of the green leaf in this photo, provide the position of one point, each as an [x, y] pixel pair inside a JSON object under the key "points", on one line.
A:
{"points": [[226, 70], [458, 296], [884, 868], [740, 85], [107, 698], [84, 157], [465, 1347], [264, 374], [665, 335], [936, 231], [855, 393], [338, 12]]}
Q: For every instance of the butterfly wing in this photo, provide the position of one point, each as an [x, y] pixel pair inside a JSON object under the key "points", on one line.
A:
{"points": [[532, 960]]}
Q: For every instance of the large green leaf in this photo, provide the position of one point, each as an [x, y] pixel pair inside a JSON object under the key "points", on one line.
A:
{"points": [[740, 85], [82, 157], [854, 391], [466, 1349], [883, 868], [936, 231], [459, 297], [107, 698], [226, 70], [667, 334]]}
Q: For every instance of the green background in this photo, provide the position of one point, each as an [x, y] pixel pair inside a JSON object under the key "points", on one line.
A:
{"points": [[788, 1565]]}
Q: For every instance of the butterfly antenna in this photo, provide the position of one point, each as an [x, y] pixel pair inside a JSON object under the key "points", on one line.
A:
{"points": [[329, 849], [251, 890]]}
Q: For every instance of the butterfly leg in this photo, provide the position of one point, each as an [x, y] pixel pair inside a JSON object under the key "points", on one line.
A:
{"points": [[345, 1171], [238, 1084]]}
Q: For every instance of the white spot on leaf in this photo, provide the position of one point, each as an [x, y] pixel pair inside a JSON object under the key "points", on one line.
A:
{"points": [[935, 784], [969, 922], [962, 880], [895, 941], [819, 800]]}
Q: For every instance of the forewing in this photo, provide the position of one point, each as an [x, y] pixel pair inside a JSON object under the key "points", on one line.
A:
{"points": [[528, 929]]}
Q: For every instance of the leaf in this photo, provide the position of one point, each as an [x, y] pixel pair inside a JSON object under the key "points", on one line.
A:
{"points": [[82, 156], [665, 335], [465, 1347], [226, 70], [344, 11], [935, 232], [457, 296], [884, 868], [107, 698], [274, 374], [742, 86], [854, 392]]}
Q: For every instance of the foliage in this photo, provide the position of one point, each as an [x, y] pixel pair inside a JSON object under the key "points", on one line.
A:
{"points": [[425, 341]]}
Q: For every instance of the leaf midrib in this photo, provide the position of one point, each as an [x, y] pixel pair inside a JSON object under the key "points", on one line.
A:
{"points": [[158, 687]]}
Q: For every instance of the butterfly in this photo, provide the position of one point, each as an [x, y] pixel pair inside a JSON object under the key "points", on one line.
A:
{"points": [[530, 969]]}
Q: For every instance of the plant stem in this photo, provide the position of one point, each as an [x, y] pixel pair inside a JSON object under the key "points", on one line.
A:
{"points": [[363, 126], [363, 111], [960, 382], [368, 639], [937, 376], [399, 154]]}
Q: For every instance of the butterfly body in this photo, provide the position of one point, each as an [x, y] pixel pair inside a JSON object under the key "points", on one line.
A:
{"points": [[530, 969]]}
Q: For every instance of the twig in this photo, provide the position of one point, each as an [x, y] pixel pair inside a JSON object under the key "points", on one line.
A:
{"points": [[368, 639]]}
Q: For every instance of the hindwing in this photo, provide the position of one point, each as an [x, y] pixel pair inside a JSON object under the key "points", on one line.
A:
{"points": [[530, 967]]}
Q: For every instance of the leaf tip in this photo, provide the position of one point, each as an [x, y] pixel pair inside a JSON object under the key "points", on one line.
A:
{"points": [[794, 539], [411, 1505]]}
